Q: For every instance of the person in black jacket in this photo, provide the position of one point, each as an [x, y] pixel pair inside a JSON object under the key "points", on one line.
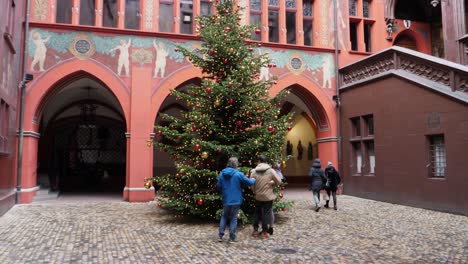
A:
{"points": [[317, 181], [334, 180]]}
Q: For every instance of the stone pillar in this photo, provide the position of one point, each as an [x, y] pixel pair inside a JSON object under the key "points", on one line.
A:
{"points": [[29, 167], [139, 162]]}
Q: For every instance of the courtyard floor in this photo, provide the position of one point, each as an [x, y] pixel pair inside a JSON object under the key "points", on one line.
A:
{"points": [[110, 231]]}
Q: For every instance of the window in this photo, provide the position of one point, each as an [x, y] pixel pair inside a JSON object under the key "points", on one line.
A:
{"points": [[353, 35], [367, 36], [256, 17], [186, 16], [437, 158], [87, 14], [4, 122], [291, 21], [362, 144], [206, 8], [109, 13], [357, 158], [352, 8], [356, 125], [132, 14], [64, 12], [308, 25], [365, 8], [166, 15], [273, 20]]}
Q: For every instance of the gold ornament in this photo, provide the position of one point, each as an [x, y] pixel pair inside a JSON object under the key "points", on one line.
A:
{"points": [[256, 142], [283, 164], [181, 171], [147, 184], [217, 103], [204, 155]]}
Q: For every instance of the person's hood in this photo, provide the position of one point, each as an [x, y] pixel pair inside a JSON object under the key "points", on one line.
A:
{"points": [[317, 164], [261, 167], [228, 172]]}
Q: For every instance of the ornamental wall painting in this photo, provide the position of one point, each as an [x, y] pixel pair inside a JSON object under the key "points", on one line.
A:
{"points": [[119, 53]]}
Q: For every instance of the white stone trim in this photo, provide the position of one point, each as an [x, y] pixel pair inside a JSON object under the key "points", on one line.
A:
{"points": [[33, 134], [26, 190], [138, 188], [327, 139], [3, 197]]}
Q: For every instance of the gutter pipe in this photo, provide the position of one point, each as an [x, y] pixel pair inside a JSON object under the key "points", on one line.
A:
{"points": [[337, 82]]}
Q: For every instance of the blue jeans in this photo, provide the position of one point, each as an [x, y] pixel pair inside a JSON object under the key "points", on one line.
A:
{"points": [[230, 213]]}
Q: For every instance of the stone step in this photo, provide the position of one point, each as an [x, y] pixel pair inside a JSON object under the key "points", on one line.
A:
{"points": [[45, 194]]}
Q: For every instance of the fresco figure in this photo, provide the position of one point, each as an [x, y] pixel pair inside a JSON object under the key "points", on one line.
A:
{"points": [[327, 69], [124, 56], [341, 27], [161, 55], [41, 50], [264, 70]]}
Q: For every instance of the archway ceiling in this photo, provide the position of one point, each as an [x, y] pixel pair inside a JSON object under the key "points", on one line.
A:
{"points": [[74, 92]]}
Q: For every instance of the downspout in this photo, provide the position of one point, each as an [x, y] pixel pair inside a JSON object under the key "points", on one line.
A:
{"points": [[337, 82], [22, 87]]}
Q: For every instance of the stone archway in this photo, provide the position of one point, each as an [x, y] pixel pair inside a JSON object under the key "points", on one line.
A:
{"points": [[41, 94]]}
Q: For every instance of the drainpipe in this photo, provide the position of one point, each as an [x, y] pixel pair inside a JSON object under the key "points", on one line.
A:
{"points": [[25, 79], [337, 83]]}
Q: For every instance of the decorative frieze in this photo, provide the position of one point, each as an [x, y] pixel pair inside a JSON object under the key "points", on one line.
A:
{"points": [[365, 71], [427, 71]]}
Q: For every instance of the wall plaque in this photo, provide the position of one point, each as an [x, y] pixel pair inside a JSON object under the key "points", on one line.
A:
{"points": [[82, 47]]}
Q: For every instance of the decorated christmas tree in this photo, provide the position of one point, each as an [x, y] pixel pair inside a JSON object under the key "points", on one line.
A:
{"points": [[230, 114]]}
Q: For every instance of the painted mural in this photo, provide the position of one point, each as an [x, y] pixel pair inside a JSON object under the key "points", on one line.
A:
{"points": [[119, 54]]}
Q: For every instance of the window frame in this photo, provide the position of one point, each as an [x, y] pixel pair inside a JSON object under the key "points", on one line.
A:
{"points": [[431, 157]]}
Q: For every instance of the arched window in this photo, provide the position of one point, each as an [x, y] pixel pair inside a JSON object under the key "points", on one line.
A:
{"points": [[406, 41]]}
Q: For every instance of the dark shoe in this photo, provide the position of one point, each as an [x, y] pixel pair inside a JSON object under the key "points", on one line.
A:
{"points": [[270, 230], [233, 241], [264, 235], [326, 205], [220, 239], [255, 233], [317, 209], [336, 208]]}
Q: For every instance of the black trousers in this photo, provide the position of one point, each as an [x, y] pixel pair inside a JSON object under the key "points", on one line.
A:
{"points": [[263, 214]]}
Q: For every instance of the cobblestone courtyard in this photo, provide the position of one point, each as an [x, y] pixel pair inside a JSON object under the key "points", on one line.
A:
{"points": [[361, 231]]}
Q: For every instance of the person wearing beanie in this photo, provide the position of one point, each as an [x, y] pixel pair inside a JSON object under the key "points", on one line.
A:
{"points": [[317, 181], [334, 179]]}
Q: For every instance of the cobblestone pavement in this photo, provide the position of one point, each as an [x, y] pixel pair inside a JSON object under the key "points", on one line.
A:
{"points": [[361, 231]]}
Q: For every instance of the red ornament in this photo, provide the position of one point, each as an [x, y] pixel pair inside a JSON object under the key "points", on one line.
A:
{"points": [[270, 65], [226, 11], [227, 29], [259, 44], [176, 50], [281, 195], [225, 61], [270, 128], [202, 26], [239, 123], [190, 58], [174, 158], [257, 31], [194, 128], [241, 34], [196, 147], [164, 150], [177, 175], [159, 133], [275, 82], [247, 175], [220, 151], [229, 84], [282, 188], [212, 52], [159, 205], [247, 113], [289, 128], [231, 101], [179, 138], [225, 35], [250, 49], [259, 122], [208, 90], [200, 201]]}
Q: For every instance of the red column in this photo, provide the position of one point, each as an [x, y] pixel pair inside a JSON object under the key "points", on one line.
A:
{"points": [[98, 18], [29, 167], [139, 163]]}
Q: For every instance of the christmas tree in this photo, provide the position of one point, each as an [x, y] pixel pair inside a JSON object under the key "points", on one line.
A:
{"points": [[231, 114]]}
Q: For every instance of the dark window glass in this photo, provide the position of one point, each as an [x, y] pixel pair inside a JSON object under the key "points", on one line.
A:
{"points": [[307, 9], [365, 8], [256, 5], [308, 33], [369, 124], [352, 8], [64, 12], [166, 16], [273, 26], [132, 14], [367, 37], [109, 13], [291, 27], [353, 35], [206, 8], [256, 19], [186, 17], [356, 126], [87, 14]]}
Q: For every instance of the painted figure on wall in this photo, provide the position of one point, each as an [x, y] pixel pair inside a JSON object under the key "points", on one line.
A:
{"points": [[124, 56], [341, 27], [327, 69], [289, 148], [264, 70], [41, 50], [300, 150], [161, 55], [310, 151]]}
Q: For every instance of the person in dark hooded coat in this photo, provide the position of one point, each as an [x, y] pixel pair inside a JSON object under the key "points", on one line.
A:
{"points": [[317, 182], [334, 180]]}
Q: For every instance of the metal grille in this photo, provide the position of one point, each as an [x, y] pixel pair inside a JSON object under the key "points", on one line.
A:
{"points": [[352, 8], [438, 158], [365, 8], [307, 9]]}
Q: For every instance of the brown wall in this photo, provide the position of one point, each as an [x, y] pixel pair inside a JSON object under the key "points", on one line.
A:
{"points": [[400, 109]]}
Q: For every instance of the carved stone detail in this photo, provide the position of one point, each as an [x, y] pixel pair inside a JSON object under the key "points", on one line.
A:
{"points": [[463, 84], [368, 70], [426, 71], [40, 9], [149, 7]]}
